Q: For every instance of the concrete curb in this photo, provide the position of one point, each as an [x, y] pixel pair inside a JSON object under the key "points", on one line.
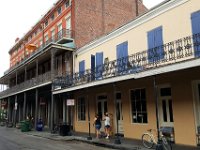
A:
{"points": [[82, 139]]}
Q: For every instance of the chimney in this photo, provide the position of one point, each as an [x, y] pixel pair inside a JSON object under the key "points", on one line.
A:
{"points": [[16, 40]]}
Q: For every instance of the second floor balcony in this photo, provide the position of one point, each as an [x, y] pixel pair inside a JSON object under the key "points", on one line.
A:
{"points": [[64, 37], [36, 81], [176, 52]]}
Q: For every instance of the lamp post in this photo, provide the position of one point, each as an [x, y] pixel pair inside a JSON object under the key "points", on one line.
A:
{"points": [[117, 139], [158, 145]]}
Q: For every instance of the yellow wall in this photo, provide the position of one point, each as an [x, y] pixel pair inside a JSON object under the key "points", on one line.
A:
{"points": [[176, 24], [182, 99]]}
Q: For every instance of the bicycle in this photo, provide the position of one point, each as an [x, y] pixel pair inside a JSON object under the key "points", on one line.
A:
{"points": [[148, 140]]}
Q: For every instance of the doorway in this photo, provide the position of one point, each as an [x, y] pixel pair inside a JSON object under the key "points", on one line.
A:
{"points": [[102, 108], [165, 107]]}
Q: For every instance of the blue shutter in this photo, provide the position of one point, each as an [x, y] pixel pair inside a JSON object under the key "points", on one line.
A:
{"points": [[195, 18], [99, 64], [81, 68], [159, 43], [122, 54], [125, 49], [92, 67], [155, 42]]}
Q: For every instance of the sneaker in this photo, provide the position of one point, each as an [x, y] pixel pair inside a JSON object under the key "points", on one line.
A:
{"points": [[107, 137]]}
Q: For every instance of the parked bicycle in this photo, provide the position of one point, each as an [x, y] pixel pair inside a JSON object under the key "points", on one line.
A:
{"points": [[149, 140]]}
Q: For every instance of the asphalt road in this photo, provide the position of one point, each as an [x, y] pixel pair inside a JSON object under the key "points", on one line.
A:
{"points": [[12, 140]]}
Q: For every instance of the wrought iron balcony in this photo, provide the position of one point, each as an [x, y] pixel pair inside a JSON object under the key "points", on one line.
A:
{"points": [[184, 49], [61, 37], [43, 78]]}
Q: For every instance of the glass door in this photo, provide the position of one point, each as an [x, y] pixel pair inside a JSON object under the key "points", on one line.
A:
{"points": [[102, 108], [166, 108]]}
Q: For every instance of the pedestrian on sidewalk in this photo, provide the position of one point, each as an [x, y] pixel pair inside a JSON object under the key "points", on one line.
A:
{"points": [[97, 124], [107, 125]]}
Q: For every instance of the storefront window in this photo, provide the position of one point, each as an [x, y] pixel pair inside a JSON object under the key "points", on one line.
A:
{"points": [[81, 108], [138, 103]]}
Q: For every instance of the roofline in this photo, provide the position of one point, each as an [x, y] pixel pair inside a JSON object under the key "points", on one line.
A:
{"points": [[31, 58], [53, 7]]}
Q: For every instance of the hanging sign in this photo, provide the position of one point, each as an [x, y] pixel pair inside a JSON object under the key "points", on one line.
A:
{"points": [[70, 102]]}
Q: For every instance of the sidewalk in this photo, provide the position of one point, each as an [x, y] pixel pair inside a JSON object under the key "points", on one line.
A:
{"points": [[126, 144]]}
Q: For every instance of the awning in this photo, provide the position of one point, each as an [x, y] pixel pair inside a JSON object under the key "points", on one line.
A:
{"points": [[31, 47]]}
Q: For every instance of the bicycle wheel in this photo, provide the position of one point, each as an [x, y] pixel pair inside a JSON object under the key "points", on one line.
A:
{"points": [[166, 144], [147, 140]]}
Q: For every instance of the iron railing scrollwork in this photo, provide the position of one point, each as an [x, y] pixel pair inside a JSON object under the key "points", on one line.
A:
{"points": [[183, 49], [43, 78], [64, 33]]}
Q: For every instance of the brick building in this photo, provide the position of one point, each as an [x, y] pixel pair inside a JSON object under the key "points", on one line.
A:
{"points": [[47, 51]]}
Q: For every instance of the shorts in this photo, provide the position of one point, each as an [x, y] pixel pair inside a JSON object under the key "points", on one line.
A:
{"points": [[98, 126], [107, 126]]}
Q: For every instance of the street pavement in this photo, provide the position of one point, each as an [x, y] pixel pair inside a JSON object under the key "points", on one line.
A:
{"points": [[14, 139]]}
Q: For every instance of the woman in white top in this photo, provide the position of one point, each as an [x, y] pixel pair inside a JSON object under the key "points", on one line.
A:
{"points": [[107, 125]]}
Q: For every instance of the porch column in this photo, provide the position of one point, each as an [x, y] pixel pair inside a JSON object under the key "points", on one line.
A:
{"points": [[53, 51], [9, 110], [16, 78], [15, 111], [52, 112], [49, 113], [64, 110], [36, 106], [25, 74], [36, 74], [24, 107]]}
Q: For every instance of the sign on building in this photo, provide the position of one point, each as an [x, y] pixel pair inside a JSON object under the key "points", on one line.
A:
{"points": [[70, 102]]}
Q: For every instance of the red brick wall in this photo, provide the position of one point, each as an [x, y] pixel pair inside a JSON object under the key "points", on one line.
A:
{"points": [[93, 19]]}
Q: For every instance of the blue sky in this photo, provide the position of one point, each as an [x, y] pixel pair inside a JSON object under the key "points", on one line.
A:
{"points": [[20, 17]]}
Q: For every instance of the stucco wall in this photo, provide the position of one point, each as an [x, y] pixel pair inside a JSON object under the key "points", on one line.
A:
{"points": [[175, 19]]}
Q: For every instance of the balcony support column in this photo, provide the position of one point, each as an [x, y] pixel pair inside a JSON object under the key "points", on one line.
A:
{"points": [[9, 110], [36, 106], [15, 111], [24, 107], [25, 74], [53, 52], [52, 112], [36, 74], [53, 55], [16, 78]]}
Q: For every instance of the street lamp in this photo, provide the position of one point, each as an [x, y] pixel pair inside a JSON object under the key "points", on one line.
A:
{"points": [[117, 139]]}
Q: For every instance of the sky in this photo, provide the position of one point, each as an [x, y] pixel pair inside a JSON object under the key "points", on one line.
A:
{"points": [[19, 16]]}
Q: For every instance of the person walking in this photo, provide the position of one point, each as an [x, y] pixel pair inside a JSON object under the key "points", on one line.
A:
{"points": [[97, 124], [107, 125]]}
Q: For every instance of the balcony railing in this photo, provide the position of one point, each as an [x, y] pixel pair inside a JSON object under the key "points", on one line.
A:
{"points": [[183, 49], [64, 33], [43, 78]]}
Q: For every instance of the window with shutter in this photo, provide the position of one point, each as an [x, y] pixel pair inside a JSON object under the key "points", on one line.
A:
{"points": [[195, 19], [155, 42]]}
